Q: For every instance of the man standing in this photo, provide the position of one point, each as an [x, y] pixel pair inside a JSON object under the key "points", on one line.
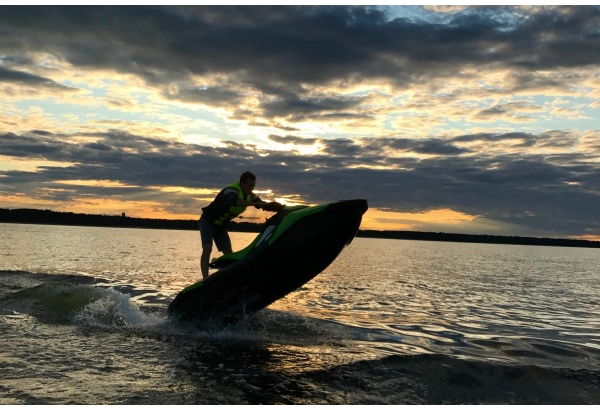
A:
{"points": [[228, 204]]}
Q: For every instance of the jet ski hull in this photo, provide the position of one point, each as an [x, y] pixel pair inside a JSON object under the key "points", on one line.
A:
{"points": [[276, 267]]}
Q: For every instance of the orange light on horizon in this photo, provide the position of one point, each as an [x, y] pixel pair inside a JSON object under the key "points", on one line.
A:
{"points": [[378, 219], [437, 220], [587, 237]]}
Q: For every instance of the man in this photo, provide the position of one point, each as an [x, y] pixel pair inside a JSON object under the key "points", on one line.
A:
{"points": [[228, 204]]}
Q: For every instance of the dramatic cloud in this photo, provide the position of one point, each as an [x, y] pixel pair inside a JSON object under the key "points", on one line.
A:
{"points": [[487, 116]]}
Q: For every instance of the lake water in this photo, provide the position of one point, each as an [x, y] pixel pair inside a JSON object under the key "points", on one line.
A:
{"points": [[83, 318]]}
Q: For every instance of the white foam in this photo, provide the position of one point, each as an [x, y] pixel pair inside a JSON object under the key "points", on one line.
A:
{"points": [[115, 309]]}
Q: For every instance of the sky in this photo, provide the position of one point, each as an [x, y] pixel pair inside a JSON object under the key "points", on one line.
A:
{"points": [[463, 119]]}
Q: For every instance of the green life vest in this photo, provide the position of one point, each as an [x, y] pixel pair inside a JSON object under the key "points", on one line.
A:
{"points": [[219, 215]]}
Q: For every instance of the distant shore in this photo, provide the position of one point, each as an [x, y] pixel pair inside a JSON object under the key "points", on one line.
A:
{"points": [[47, 217]]}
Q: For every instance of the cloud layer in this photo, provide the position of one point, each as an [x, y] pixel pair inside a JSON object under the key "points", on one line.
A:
{"points": [[491, 112]]}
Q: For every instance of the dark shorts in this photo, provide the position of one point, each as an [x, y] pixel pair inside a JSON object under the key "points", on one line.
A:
{"points": [[210, 233]]}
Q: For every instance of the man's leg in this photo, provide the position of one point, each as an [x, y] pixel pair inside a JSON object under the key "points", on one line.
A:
{"points": [[205, 259], [206, 238], [223, 241]]}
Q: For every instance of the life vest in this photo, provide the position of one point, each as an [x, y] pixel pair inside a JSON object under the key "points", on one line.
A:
{"points": [[220, 216]]}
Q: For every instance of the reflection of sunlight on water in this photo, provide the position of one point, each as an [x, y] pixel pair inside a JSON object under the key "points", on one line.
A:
{"points": [[379, 296], [403, 296]]}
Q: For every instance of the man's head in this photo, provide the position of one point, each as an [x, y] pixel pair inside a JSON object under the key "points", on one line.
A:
{"points": [[247, 182]]}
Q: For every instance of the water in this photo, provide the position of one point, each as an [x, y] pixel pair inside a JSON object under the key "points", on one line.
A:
{"points": [[83, 321]]}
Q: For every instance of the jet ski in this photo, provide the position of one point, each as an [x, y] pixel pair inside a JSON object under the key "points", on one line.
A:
{"points": [[295, 245]]}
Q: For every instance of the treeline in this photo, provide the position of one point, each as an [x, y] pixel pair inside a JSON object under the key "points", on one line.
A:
{"points": [[35, 216], [473, 238]]}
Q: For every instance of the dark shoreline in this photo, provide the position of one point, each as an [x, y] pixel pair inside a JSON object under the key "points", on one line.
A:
{"points": [[47, 217]]}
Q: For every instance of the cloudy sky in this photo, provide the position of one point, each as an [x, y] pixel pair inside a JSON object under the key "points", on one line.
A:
{"points": [[447, 119]]}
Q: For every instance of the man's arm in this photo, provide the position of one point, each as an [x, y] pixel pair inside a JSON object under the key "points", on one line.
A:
{"points": [[232, 199], [260, 204], [255, 201]]}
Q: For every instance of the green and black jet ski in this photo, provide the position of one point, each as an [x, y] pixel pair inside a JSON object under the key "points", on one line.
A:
{"points": [[296, 244]]}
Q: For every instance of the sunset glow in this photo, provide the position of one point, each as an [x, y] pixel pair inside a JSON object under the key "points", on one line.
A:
{"points": [[458, 119]]}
